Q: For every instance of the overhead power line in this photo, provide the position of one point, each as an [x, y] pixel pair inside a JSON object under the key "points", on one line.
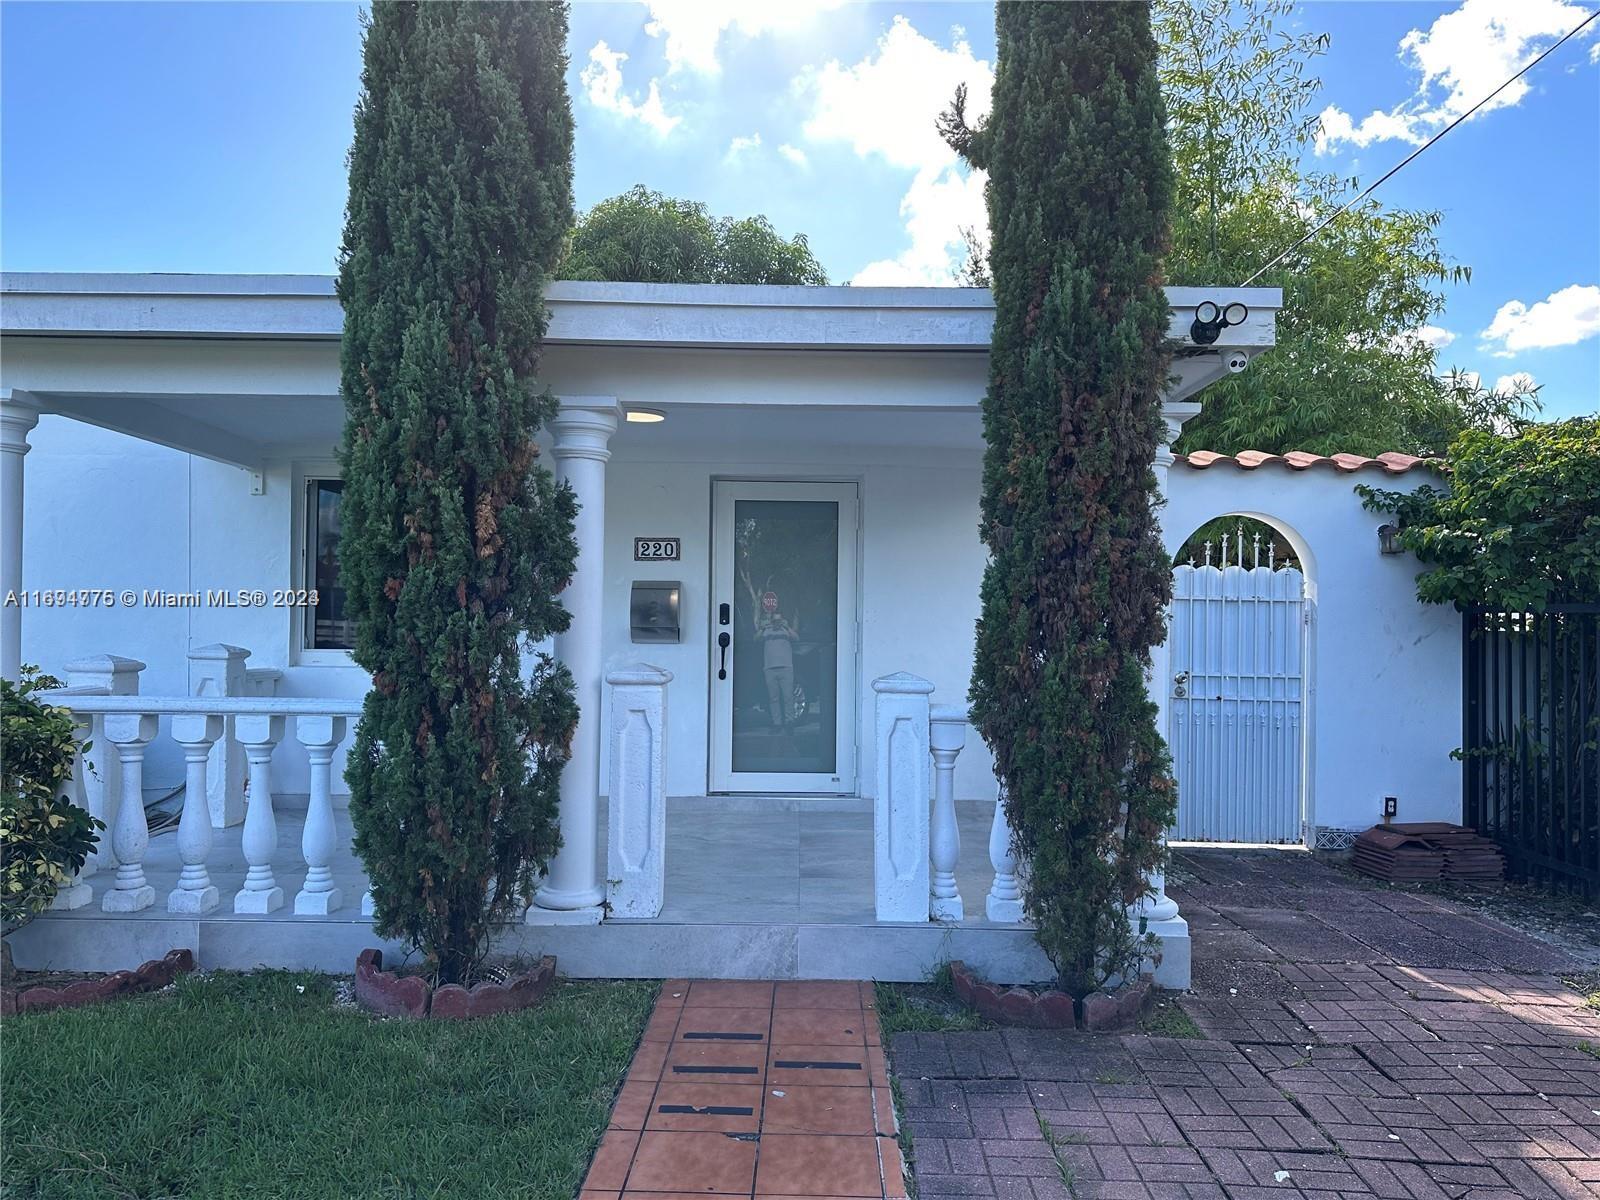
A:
{"points": [[1301, 241]]}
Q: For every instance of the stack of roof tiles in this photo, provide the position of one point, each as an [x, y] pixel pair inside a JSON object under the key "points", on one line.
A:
{"points": [[1424, 850]]}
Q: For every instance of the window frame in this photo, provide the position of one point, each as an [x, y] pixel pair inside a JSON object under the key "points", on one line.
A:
{"points": [[301, 653]]}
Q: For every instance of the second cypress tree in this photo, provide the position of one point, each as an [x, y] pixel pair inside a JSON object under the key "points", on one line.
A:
{"points": [[1079, 188]]}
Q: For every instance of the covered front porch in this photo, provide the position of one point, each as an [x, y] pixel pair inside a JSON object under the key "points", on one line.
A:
{"points": [[755, 888]]}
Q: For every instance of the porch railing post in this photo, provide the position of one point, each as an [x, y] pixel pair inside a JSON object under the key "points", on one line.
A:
{"points": [[130, 733], [219, 670], [900, 816], [260, 893], [195, 892], [636, 850], [1003, 905], [947, 734], [320, 736]]}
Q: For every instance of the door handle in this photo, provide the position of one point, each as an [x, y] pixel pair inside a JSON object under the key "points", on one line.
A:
{"points": [[722, 642]]}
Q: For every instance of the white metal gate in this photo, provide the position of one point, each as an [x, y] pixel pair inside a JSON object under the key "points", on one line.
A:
{"points": [[1237, 689]]}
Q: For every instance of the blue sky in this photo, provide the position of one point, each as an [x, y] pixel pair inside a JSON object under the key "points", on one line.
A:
{"points": [[211, 137]]}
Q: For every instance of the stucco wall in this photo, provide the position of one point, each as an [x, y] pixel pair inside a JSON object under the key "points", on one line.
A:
{"points": [[1385, 682]]}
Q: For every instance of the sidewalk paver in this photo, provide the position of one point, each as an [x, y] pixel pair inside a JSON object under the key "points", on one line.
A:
{"points": [[1360, 1042], [754, 1089]]}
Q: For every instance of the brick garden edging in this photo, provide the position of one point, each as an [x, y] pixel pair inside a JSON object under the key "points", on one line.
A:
{"points": [[1100, 1011], [394, 995], [151, 976]]}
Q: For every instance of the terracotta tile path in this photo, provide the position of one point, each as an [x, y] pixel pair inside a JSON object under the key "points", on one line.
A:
{"points": [[745, 1088], [1361, 1042]]}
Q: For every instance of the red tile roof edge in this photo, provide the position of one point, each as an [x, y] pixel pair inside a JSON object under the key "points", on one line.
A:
{"points": [[1390, 463]]}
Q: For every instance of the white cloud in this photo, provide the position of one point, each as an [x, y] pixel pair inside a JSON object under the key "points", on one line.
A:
{"points": [[1519, 382], [1462, 57], [795, 155], [1564, 318], [1433, 336], [904, 85], [602, 82], [742, 145], [692, 29]]}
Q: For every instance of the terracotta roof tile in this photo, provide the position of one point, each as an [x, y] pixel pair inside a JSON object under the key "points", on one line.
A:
{"points": [[1298, 460]]}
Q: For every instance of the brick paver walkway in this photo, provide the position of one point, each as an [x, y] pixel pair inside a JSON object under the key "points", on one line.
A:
{"points": [[744, 1088], [1361, 1042]]}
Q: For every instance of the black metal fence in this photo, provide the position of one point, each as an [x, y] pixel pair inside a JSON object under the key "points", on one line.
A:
{"points": [[1531, 740]]}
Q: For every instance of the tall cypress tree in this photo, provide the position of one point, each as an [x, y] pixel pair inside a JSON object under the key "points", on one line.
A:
{"points": [[1079, 188], [456, 539]]}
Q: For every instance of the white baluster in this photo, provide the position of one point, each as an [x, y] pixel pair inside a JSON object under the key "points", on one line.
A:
{"points": [[321, 737], [1004, 904], [76, 893], [197, 733], [130, 733], [947, 734], [102, 781], [260, 894]]}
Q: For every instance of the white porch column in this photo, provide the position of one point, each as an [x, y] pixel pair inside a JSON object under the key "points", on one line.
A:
{"points": [[1157, 912], [900, 816], [572, 891], [19, 413]]}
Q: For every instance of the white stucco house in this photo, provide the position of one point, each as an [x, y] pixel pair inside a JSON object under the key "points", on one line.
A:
{"points": [[772, 626]]}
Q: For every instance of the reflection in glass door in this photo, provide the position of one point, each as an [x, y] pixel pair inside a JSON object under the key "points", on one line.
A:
{"points": [[783, 638]]}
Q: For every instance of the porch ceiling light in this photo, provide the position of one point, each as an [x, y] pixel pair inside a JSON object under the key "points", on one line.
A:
{"points": [[1210, 319], [644, 416]]}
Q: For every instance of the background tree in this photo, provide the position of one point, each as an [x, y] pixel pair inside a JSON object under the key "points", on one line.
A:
{"points": [[456, 538], [1519, 526], [1077, 579], [643, 236], [1348, 371]]}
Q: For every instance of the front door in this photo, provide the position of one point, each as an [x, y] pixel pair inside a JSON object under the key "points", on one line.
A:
{"points": [[783, 638]]}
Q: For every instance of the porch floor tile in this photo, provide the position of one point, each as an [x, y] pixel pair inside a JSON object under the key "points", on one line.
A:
{"points": [[712, 1107]]}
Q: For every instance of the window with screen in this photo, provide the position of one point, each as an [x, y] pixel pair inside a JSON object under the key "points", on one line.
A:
{"points": [[326, 626]]}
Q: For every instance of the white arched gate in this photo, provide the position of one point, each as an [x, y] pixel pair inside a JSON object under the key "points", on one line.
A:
{"points": [[1237, 690]]}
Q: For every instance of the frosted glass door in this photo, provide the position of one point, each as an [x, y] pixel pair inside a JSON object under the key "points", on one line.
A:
{"points": [[783, 638]]}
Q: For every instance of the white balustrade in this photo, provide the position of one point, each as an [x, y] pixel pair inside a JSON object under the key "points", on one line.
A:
{"points": [[128, 723], [219, 670], [197, 733], [947, 734], [321, 737], [260, 735], [1004, 902], [102, 675], [131, 733]]}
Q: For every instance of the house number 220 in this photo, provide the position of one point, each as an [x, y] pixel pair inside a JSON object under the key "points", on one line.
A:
{"points": [[656, 549]]}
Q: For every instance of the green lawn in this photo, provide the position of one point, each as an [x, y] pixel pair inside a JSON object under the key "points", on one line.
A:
{"points": [[257, 1085]]}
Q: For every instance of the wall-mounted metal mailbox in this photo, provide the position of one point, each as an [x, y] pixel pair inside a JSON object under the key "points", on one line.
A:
{"points": [[653, 610]]}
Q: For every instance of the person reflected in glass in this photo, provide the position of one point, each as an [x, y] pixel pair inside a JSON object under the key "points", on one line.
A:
{"points": [[777, 656]]}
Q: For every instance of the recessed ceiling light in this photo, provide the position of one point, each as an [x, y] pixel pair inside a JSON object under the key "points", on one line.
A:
{"points": [[645, 416]]}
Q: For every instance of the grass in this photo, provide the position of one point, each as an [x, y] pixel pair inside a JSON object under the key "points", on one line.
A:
{"points": [[1167, 1019], [235, 1086], [1587, 983], [1055, 1141], [931, 1007]]}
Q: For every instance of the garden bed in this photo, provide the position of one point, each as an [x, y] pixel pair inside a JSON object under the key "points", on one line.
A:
{"points": [[394, 994], [26, 992], [262, 1085]]}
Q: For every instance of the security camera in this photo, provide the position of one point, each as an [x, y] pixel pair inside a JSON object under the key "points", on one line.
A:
{"points": [[1235, 361]]}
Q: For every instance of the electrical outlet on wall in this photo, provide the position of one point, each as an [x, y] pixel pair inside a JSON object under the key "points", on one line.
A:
{"points": [[1391, 807]]}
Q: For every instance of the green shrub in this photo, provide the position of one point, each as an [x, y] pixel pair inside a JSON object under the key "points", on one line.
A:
{"points": [[44, 837]]}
